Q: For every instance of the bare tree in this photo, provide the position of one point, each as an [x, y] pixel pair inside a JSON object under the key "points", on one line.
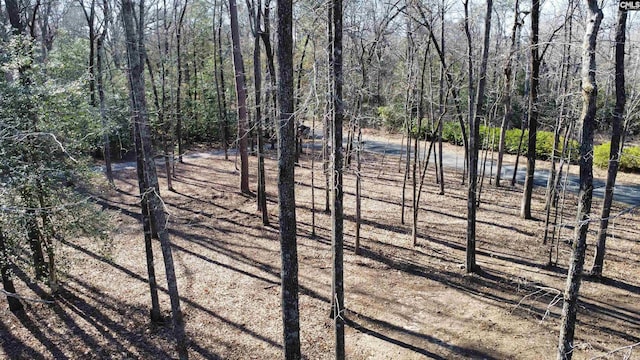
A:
{"points": [[616, 145], [179, 20], [286, 183], [525, 209], [587, 120], [241, 92], [99, 82], [508, 85], [135, 55], [337, 212], [474, 143]]}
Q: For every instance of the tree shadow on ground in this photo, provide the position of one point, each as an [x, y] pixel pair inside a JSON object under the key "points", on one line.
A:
{"points": [[386, 331]]}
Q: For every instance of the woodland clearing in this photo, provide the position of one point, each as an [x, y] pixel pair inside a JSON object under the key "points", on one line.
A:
{"points": [[402, 302]]}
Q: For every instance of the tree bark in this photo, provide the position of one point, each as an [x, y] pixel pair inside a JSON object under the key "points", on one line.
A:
{"points": [[525, 209], [15, 306], [241, 92], [587, 119], [257, 78], [179, 82], [508, 70], [474, 142], [286, 183], [222, 95], [135, 54], [616, 146], [103, 113], [337, 213]]}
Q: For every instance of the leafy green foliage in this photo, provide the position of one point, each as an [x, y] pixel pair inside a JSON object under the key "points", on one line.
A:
{"points": [[47, 130], [544, 139], [391, 116], [629, 160]]}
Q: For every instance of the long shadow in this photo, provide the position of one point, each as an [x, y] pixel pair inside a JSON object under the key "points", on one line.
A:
{"points": [[367, 325], [190, 302], [206, 354], [110, 205], [14, 348], [69, 301], [452, 245], [228, 267], [617, 284], [36, 331]]}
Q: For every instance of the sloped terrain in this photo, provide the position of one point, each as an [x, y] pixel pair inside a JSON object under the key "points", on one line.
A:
{"points": [[403, 302]]}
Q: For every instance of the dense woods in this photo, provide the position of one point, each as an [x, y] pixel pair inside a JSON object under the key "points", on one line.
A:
{"points": [[509, 130]]}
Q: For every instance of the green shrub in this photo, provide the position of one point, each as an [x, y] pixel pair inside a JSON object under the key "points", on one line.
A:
{"points": [[601, 155], [391, 117], [544, 144], [512, 139], [629, 161], [419, 133], [544, 140]]}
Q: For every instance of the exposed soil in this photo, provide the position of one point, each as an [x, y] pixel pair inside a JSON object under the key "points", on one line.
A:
{"points": [[403, 302]]}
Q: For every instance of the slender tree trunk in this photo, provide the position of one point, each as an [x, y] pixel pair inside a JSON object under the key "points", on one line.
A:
{"points": [[474, 140], [454, 89], [241, 92], [416, 160], [15, 306], [179, 82], [161, 119], [508, 69], [92, 51], [525, 210], [150, 180], [337, 241], [356, 247], [266, 40], [328, 114], [616, 148], [441, 100], [216, 79], [286, 183], [226, 134], [103, 113], [257, 78], [576, 263]]}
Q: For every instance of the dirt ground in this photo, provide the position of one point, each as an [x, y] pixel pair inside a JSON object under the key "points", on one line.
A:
{"points": [[403, 302]]}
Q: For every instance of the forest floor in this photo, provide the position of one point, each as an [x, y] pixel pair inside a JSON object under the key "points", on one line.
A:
{"points": [[402, 302]]}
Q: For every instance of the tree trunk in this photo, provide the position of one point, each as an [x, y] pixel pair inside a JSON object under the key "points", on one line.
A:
{"points": [[286, 184], [147, 224], [616, 148], [328, 114], [103, 113], [223, 94], [525, 210], [337, 216], [441, 100], [266, 40], [508, 113], [416, 160], [15, 306], [474, 140], [356, 247], [257, 78], [241, 92], [576, 264], [135, 54], [179, 82]]}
